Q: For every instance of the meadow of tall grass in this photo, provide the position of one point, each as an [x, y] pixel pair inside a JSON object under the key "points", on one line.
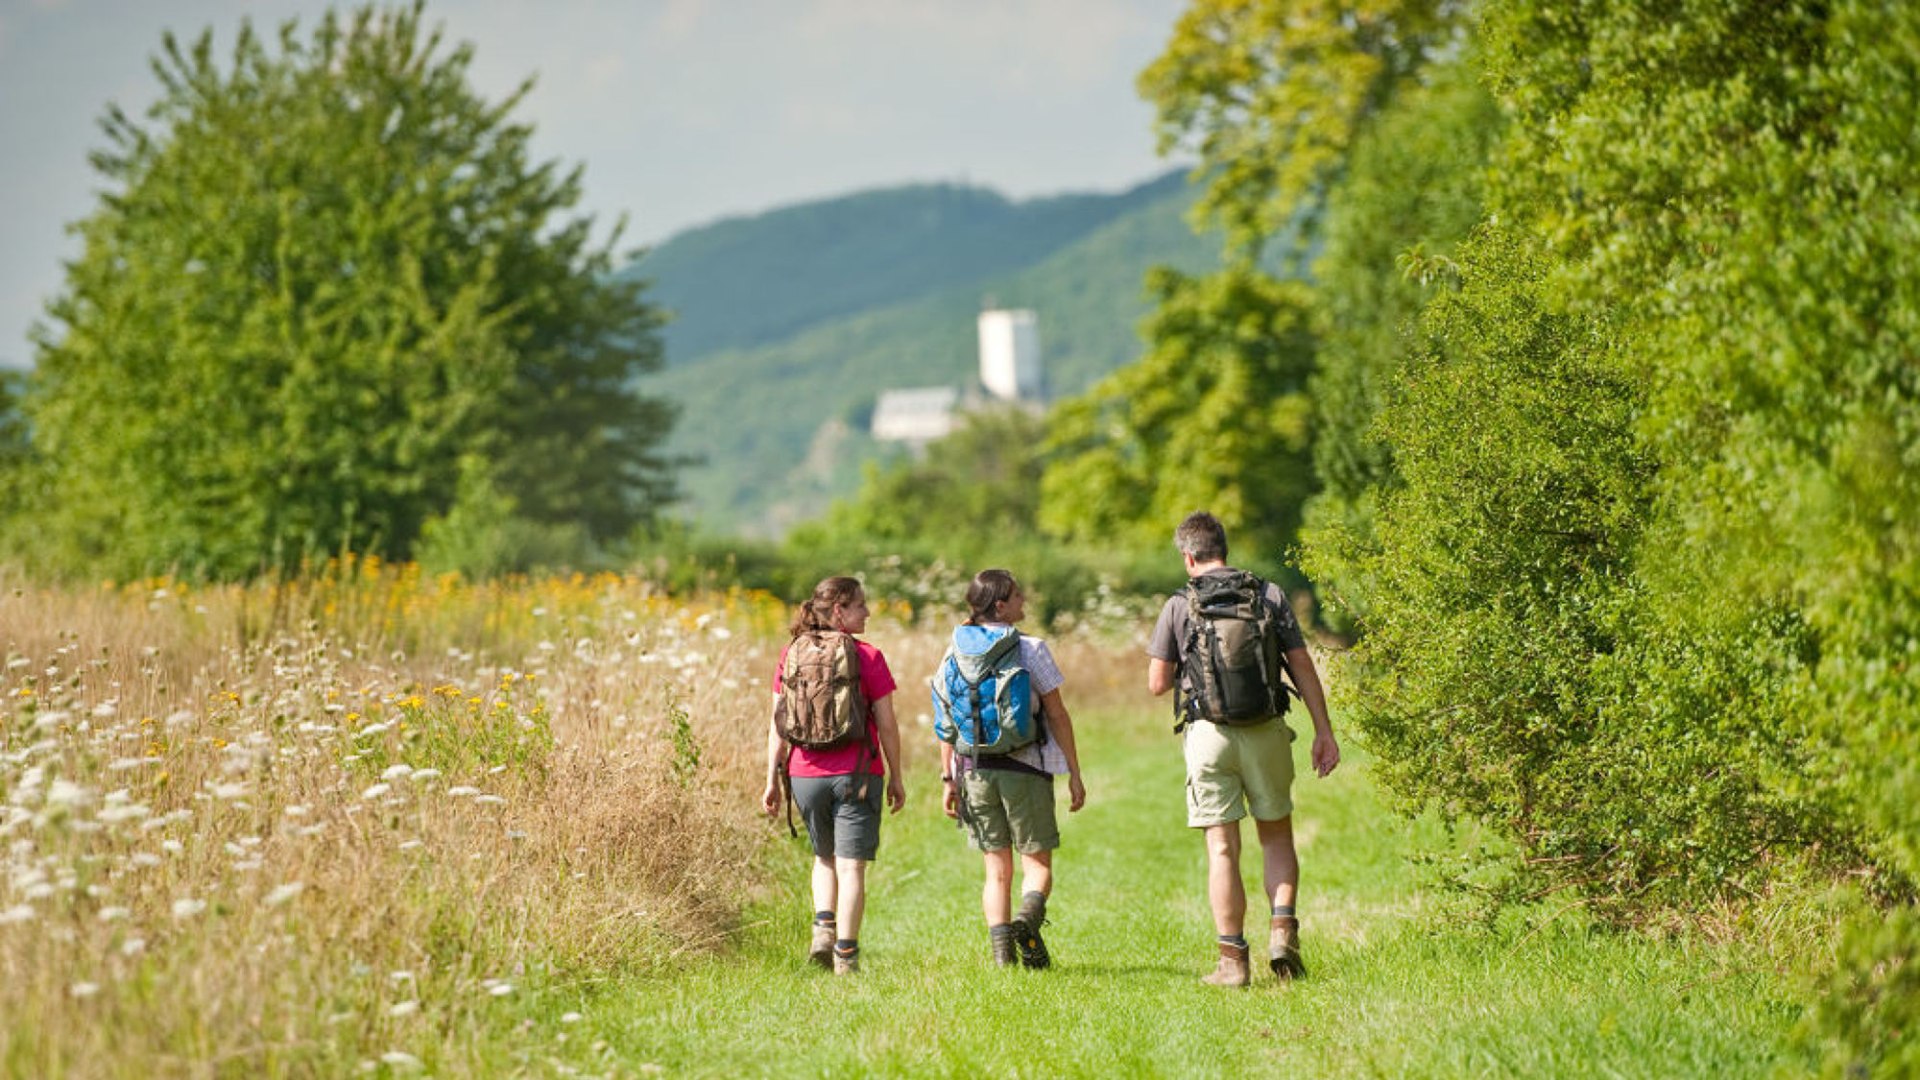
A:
{"points": [[365, 818]]}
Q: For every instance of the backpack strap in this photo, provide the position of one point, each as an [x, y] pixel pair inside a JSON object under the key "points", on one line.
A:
{"points": [[1186, 704], [786, 786]]}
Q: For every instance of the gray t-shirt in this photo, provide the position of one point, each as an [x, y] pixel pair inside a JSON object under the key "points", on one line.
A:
{"points": [[1170, 631]]}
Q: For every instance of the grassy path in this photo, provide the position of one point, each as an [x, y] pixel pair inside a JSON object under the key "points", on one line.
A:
{"points": [[1393, 989]]}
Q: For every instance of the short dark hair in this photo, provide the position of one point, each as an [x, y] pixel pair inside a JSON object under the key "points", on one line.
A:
{"points": [[987, 591], [1202, 536]]}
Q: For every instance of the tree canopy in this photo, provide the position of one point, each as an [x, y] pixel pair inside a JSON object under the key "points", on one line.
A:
{"points": [[324, 283]]}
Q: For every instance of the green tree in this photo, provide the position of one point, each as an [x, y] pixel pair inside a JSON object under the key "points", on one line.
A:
{"points": [[977, 487], [320, 278], [1270, 94], [1214, 416], [1410, 191]]}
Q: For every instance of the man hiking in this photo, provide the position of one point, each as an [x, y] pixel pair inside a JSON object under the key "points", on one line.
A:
{"points": [[1222, 644]]}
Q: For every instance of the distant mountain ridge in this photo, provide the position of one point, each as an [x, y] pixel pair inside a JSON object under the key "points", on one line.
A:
{"points": [[748, 281], [788, 325]]}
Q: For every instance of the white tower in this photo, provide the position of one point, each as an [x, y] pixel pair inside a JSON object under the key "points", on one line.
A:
{"points": [[1010, 355]]}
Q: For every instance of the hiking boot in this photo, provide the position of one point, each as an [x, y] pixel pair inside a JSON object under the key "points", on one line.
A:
{"points": [[820, 951], [1283, 955], [1234, 969], [846, 963], [1026, 931], [1003, 945]]}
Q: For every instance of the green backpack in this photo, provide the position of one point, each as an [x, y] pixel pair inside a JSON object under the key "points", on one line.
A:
{"points": [[1231, 665]]}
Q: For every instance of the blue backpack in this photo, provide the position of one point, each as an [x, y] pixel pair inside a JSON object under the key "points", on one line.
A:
{"points": [[982, 695]]}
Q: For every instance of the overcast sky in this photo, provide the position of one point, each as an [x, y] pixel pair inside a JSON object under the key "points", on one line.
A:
{"points": [[682, 111]]}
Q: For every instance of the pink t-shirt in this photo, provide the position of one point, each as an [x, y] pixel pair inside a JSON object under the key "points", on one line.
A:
{"points": [[876, 682]]}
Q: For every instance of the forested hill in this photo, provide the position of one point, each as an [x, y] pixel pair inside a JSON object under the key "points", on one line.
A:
{"points": [[750, 281], [788, 325]]}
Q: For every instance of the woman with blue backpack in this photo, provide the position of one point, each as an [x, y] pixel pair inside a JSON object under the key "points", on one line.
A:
{"points": [[1004, 735], [832, 743]]}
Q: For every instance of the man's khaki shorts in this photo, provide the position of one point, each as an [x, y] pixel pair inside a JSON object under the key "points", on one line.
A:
{"points": [[1012, 809], [1232, 770]]}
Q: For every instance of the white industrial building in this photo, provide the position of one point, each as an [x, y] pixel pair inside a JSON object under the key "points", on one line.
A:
{"points": [[1010, 371], [1010, 355]]}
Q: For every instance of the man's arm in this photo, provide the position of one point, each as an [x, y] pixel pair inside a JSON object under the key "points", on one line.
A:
{"points": [[1160, 675], [1326, 751]]}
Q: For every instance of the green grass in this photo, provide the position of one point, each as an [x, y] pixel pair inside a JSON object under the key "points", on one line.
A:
{"points": [[1395, 987]]}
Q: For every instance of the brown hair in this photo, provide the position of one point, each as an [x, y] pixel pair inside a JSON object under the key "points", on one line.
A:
{"points": [[988, 590], [817, 612]]}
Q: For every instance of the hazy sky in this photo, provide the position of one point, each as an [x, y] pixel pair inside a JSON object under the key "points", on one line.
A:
{"points": [[682, 111]]}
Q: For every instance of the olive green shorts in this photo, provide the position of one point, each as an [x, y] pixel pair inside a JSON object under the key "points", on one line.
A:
{"points": [[1233, 770], [1005, 808]]}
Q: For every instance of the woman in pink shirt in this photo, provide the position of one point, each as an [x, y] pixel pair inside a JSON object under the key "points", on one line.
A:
{"points": [[836, 789]]}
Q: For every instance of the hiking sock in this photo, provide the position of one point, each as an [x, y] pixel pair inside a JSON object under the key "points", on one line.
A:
{"points": [[1003, 939], [825, 918], [1283, 911], [1238, 941]]}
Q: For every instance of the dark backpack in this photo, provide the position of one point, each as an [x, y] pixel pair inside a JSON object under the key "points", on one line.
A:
{"points": [[821, 704], [1231, 665]]}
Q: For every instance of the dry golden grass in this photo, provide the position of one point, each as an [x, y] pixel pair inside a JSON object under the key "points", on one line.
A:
{"points": [[294, 828]]}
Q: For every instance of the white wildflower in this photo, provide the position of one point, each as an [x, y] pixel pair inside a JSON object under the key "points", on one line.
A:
{"points": [[376, 791], [462, 790], [397, 772], [500, 989], [400, 1059], [127, 764], [296, 810], [371, 729], [18, 913], [114, 914], [490, 800], [571, 1018], [187, 908], [172, 847], [106, 709], [67, 793], [83, 989], [400, 976], [420, 775], [133, 946], [235, 790], [404, 1008], [283, 893]]}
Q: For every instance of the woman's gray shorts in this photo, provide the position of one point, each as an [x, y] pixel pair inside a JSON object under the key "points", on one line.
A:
{"points": [[840, 825]]}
